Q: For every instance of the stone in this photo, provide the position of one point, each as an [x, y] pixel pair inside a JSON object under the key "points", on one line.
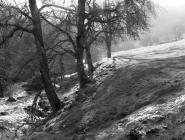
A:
{"points": [[11, 99], [3, 113]]}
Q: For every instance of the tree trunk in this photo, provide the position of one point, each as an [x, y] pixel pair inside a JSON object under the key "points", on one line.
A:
{"points": [[109, 50], [44, 70], [80, 40], [108, 42], [89, 60], [80, 69]]}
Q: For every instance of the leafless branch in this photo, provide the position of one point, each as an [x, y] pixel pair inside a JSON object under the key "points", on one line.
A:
{"points": [[56, 6], [18, 27], [61, 30]]}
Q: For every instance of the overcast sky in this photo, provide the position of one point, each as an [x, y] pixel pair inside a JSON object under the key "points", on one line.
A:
{"points": [[170, 3], [164, 3]]}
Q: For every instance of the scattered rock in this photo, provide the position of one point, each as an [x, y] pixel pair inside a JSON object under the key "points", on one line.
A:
{"points": [[153, 131], [3, 113], [134, 135], [2, 128], [20, 98], [35, 112], [11, 99], [140, 93]]}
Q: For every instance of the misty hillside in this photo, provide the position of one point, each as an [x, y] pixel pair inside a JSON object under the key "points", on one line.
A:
{"points": [[92, 70], [138, 95]]}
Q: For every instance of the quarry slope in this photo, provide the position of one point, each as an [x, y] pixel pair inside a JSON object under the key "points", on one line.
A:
{"points": [[139, 95]]}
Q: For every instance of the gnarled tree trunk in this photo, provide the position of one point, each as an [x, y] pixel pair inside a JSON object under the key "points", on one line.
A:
{"points": [[80, 42], [44, 70]]}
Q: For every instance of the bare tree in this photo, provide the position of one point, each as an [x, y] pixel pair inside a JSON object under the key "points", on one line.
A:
{"points": [[21, 20], [80, 41], [72, 28], [79, 27], [130, 18]]}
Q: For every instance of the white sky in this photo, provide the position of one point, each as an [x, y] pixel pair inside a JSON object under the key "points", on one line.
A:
{"points": [[165, 3], [171, 3]]}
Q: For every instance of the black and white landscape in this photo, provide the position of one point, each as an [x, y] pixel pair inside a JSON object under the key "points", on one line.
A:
{"points": [[92, 70]]}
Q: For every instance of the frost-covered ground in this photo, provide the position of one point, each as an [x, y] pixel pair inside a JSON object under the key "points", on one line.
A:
{"points": [[140, 95], [167, 50], [134, 56], [160, 68], [12, 114]]}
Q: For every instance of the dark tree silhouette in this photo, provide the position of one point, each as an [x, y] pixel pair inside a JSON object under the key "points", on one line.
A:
{"points": [[19, 20], [37, 32]]}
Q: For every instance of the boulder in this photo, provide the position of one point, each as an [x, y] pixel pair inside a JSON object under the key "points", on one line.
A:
{"points": [[11, 99]]}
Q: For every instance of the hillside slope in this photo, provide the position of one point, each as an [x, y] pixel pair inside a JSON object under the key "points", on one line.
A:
{"points": [[140, 94]]}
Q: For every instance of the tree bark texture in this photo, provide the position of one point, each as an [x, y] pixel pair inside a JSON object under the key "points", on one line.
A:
{"points": [[80, 42], [44, 70]]}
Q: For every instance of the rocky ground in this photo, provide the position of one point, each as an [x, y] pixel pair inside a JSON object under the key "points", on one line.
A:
{"points": [[16, 116], [12, 111], [138, 95]]}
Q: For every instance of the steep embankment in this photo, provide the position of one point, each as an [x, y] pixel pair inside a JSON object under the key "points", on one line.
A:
{"points": [[140, 94]]}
